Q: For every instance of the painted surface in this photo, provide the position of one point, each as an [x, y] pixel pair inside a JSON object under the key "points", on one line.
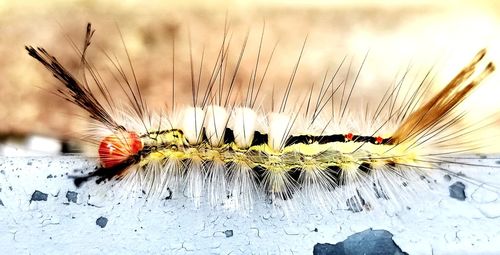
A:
{"points": [[41, 212]]}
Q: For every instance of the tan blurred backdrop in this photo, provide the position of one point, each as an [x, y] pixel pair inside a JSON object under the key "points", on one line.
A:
{"points": [[396, 34]]}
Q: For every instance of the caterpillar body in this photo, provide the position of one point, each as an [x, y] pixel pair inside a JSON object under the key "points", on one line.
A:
{"points": [[239, 153]]}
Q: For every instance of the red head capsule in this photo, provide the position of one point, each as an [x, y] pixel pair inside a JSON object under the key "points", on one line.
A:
{"points": [[116, 148]]}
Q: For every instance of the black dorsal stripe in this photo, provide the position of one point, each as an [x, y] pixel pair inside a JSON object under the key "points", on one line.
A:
{"points": [[261, 138]]}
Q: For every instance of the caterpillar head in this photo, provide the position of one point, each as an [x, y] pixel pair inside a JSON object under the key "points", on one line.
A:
{"points": [[116, 148]]}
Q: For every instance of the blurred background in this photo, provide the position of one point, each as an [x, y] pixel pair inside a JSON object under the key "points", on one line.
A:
{"points": [[397, 34]]}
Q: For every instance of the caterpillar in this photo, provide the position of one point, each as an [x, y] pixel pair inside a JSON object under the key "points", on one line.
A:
{"points": [[237, 153]]}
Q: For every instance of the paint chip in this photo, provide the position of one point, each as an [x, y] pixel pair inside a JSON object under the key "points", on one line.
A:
{"points": [[101, 222], [39, 196], [72, 196], [228, 233], [368, 242], [457, 191]]}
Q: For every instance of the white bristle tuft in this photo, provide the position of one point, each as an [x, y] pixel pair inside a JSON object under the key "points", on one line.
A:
{"points": [[216, 182], [244, 122], [215, 124], [280, 127], [192, 124], [243, 186], [195, 181]]}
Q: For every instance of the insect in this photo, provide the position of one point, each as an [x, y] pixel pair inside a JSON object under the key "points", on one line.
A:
{"points": [[240, 152]]}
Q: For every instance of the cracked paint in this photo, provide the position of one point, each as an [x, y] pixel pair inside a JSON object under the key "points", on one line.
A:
{"points": [[66, 222]]}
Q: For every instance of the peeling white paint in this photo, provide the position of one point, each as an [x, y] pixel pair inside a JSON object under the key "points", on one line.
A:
{"points": [[436, 223]]}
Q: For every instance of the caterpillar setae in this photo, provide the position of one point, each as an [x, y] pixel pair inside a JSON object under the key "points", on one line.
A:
{"points": [[320, 148]]}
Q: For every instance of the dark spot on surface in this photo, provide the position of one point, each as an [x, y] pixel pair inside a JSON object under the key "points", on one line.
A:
{"points": [[228, 233], [72, 196], [1, 203], [169, 196], [50, 176], [39, 196], [101, 222], [482, 156], [30, 163], [496, 162], [315, 230], [2, 171], [457, 191], [368, 242], [447, 177]]}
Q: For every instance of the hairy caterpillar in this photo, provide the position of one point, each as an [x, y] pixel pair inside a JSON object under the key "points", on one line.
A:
{"points": [[238, 152]]}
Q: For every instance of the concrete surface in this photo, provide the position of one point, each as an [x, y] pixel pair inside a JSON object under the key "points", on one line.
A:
{"points": [[41, 212]]}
